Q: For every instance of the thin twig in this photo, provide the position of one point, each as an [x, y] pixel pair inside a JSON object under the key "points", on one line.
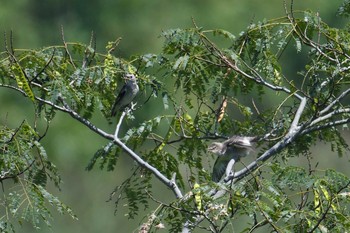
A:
{"points": [[294, 130], [65, 44], [119, 124], [4, 176], [329, 106], [37, 98], [88, 57], [257, 78], [44, 68], [172, 185], [329, 115], [169, 183], [325, 126]]}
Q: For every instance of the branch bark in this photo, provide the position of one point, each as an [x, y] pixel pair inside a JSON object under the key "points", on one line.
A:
{"points": [[337, 100], [169, 183], [294, 130]]}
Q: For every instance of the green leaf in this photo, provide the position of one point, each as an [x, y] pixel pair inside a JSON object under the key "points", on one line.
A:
{"points": [[225, 33], [40, 177], [165, 100], [22, 81], [181, 62], [344, 9]]}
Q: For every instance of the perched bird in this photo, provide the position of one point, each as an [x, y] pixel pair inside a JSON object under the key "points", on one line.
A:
{"points": [[126, 94], [229, 152]]}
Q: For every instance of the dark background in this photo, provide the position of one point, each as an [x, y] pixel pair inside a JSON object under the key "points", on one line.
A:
{"points": [[37, 24]]}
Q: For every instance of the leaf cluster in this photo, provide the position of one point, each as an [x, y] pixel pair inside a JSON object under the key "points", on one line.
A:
{"points": [[211, 85], [24, 163]]}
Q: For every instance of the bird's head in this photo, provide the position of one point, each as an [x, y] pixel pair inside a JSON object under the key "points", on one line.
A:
{"points": [[129, 76], [217, 148]]}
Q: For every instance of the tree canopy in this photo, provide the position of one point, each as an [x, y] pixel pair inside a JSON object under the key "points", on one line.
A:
{"points": [[206, 85]]}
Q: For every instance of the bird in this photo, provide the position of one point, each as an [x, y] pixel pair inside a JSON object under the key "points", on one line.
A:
{"points": [[229, 152], [126, 94]]}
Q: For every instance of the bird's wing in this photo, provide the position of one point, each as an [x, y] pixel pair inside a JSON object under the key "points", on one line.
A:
{"points": [[116, 104], [240, 142], [121, 93]]}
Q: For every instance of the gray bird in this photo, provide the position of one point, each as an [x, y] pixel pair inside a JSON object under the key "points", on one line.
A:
{"points": [[126, 94], [229, 152]]}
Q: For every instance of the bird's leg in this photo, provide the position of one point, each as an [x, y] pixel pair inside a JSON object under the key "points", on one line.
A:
{"points": [[132, 106], [128, 110], [229, 169]]}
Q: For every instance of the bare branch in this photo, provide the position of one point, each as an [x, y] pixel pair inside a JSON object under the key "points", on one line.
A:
{"points": [[325, 126], [258, 79], [303, 36], [294, 130], [171, 184], [297, 116], [331, 105], [86, 122], [329, 115], [37, 98], [119, 124], [66, 48]]}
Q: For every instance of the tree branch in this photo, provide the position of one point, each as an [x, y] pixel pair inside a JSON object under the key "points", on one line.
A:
{"points": [[297, 116], [329, 115], [119, 124], [35, 97], [169, 183], [258, 79], [294, 130], [66, 48], [325, 126], [341, 96]]}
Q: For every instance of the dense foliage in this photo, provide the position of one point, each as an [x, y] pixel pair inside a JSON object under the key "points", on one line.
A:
{"points": [[206, 85]]}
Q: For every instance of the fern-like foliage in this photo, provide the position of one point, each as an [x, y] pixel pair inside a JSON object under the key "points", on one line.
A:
{"points": [[25, 173], [206, 85]]}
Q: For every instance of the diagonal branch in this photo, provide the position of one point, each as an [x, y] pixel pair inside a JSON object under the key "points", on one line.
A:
{"points": [[168, 182], [341, 96], [119, 124], [35, 97], [287, 139], [294, 130], [329, 115], [325, 126], [256, 77], [84, 121], [297, 116]]}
